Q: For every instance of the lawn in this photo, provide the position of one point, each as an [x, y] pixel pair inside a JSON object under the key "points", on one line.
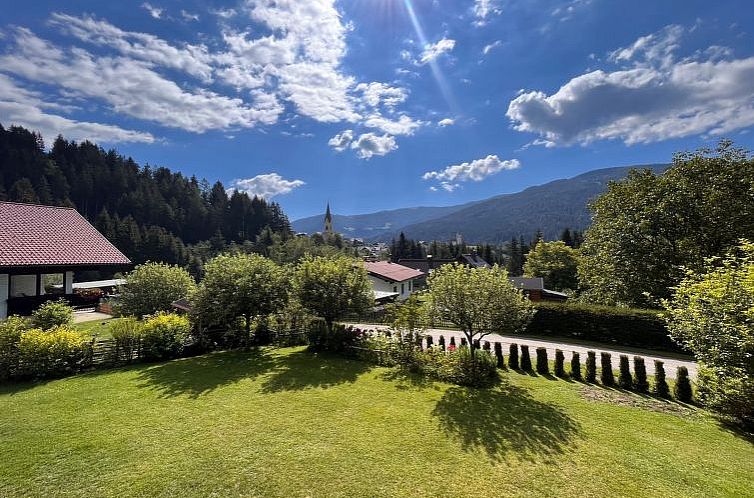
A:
{"points": [[288, 423], [99, 327]]}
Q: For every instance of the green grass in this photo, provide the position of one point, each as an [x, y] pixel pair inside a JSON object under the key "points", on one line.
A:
{"points": [[288, 423], [99, 327]]}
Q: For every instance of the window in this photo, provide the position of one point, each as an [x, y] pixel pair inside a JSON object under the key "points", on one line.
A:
{"points": [[395, 288], [403, 288]]}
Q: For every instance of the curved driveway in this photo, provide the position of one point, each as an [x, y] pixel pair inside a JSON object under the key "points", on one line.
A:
{"points": [[671, 362]]}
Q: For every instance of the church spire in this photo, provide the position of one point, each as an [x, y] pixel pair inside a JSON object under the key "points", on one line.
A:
{"points": [[328, 221]]}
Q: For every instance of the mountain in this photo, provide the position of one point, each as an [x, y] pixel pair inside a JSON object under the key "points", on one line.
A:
{"points": [[550, 208], [375, 225]]}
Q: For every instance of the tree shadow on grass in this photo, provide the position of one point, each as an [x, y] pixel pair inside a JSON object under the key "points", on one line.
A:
{"points": [[200, 375], [505, 420], [405, 380], [306, 370]]}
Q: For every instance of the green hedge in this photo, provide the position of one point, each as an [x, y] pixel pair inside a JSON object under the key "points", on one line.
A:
{"points": [[626, 327]]}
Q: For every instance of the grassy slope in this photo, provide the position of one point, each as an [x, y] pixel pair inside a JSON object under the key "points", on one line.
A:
{"points": [[99, 327], [286, 423]]}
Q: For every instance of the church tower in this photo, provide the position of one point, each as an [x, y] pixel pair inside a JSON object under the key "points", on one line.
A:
{"points": [[328, 222]]}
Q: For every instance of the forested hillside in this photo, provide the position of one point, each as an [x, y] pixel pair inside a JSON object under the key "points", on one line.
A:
{"points": [[148, 213]]}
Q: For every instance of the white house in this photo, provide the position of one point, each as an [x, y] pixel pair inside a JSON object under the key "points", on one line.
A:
{"points": [[391, 280]]}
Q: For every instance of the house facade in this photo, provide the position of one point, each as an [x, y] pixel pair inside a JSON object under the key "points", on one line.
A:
{"points": [[391, 280], [40, 249]]}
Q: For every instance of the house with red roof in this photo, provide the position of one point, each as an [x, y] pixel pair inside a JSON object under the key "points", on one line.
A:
{"points": [[391, 281], [40, 249]]}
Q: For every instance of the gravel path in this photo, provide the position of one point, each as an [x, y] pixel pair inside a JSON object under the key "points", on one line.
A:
{"points": [[671, 363]]}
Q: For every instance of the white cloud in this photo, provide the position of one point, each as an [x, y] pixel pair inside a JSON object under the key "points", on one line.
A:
{"points": [[188, 16], [657, 97], [341, 141], [369, 144], [266, 186], [191, 59], [404, 125], [568, 10], [484, 9], [130, 87], [376, 94], [19, 106], [446, 122], [224, 13], [155, 12], [488, 48], [476, 170], [434, 50]]}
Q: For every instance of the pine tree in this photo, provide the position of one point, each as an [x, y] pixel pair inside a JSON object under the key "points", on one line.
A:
{"points": [[23, 191], [566, 237]]}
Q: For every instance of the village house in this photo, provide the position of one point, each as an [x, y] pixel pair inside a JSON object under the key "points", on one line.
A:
{"points": [[40, 249], [391, 281]]}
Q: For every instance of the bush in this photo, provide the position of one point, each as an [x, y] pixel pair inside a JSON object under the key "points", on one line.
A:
{"points": [[513, 356], [661, 386], [53, 353], [606, 370], [575, 366], [52, 314], [126, 334], [164, 335], [559, 361], [625, 381], [10, 335], [640, 375], [499, 355], [525, 359], [591, 367], [543, 365], [479, 370], [627, 327], [682, 389], [153, 287], [341, 338]]}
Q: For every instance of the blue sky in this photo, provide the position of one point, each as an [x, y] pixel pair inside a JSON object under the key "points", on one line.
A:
{"points": [[380, 104]]}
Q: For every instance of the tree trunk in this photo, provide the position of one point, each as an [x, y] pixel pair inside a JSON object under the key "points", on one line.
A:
{"points": [[470, 341]]}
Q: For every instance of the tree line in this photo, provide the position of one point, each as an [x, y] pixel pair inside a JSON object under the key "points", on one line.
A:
{"points": [[148, 213]]}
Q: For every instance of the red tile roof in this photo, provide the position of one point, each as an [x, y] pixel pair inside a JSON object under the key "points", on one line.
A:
{"points": [[392, 271], [34, 235]]}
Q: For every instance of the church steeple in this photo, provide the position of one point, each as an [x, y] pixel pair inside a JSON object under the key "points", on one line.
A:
{"points": [[328, 221]]}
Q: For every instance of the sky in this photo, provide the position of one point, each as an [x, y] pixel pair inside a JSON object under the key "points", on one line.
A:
{"points": [[381, 104]]}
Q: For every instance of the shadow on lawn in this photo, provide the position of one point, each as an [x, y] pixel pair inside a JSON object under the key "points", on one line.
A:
{"points": [[203, 374], [305, 370], [505, 419]]}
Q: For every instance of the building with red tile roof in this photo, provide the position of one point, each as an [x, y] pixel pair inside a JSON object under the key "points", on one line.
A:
{"points": [[42, 245], [392, 278]]}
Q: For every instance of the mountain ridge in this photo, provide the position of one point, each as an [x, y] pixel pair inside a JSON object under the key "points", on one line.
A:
{"points": [[549, 207]]}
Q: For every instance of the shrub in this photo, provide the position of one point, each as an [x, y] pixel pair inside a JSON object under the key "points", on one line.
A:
{"points": [[342, 338], [153, 287], [499, 355], [627, 327], [661, 386], [163, 336], [441, 342], [513, 356], [559, 361], [10, 335], [575, 366], [625, 381], [52, 314], [52, 353], [640, 375], [591, 367], [682, 389], [478, 371], [606, 370], [543, 365], [126, 334], [525, 359]]}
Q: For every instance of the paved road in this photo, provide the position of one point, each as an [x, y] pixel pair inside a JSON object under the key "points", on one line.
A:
{"points": [[671, 363]]}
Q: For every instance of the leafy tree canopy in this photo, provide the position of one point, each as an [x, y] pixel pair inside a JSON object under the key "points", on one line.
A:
{"points": [[555, 262], [712, 314], [153, 287], [647, 228]]}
